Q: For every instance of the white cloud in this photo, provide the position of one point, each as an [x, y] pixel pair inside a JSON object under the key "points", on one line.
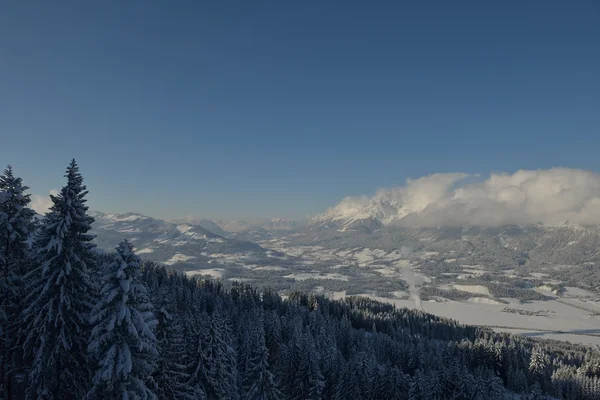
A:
{"points": [[551, 196], [40, 203]]}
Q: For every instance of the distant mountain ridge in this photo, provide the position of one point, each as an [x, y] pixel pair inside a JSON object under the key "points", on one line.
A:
{"points": [[167, 242], [227, 227], [509, 245]]}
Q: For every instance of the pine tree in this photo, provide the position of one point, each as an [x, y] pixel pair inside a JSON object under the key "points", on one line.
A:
{"points": [[122, 339], [415, 392], [348, 387], [495, 388], [196, 368], [16, 225], [289, 360], [219, 359], [170, 374], [258, 381], [538, 367], [310, 378], [58, 301]]}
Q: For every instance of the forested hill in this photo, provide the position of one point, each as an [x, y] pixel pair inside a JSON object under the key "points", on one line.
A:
{"points": [[310, 347], [76, 323]]}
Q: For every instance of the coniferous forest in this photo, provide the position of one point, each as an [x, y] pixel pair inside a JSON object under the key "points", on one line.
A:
{"points": [[80, 323]]}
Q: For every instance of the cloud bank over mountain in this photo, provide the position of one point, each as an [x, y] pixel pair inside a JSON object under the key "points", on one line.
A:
{"points": [[550, 196]]}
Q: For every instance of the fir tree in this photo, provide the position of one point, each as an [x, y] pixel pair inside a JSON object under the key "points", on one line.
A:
{"points": [[16, 225], [122, 339], [258, 381], [58, 300], [170, 375], [310, 378], [219, 359], [196, 369]]}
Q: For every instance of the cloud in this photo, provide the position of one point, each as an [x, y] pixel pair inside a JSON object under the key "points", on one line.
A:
{"points": [[390, 204], [549, 196], [40, 203]]}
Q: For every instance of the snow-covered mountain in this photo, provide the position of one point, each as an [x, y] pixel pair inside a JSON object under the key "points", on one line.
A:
{"points": [[503, 246], [225, 227], [280, 224], [362, 212], [168, 242], [273, 224]]}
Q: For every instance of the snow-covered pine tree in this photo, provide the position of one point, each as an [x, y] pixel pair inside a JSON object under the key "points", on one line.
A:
{"points": [[258, 381], [310, 378], [16, 225], [170, 374], [122, 340], [538, 368], [289, 360], [195, 368], [58, 302], [219, 358]]}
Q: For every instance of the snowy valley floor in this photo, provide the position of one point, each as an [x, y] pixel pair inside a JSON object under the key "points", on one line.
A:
{"points": [[402, 279]]}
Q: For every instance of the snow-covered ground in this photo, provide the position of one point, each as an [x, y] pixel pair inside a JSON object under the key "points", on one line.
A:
{"points": [[477, 289], [571, 316], [177, 258], [304, 276], [213, 272], [270, 268], [560, 321]]}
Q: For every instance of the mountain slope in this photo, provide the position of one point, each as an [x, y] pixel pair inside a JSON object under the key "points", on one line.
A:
{"points": [[167, 242]]}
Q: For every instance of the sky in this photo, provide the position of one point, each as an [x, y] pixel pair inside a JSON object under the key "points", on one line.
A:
{"points": [[239, 109]]}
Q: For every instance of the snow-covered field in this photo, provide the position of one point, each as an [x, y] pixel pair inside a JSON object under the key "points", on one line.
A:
{"points": [[270, 268], [304, 276], [477, 289], [573, 315], [213, 272], [177, 258], [560, 321]]}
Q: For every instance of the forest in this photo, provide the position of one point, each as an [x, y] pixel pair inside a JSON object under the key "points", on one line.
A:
{"points": [[79, 322]]}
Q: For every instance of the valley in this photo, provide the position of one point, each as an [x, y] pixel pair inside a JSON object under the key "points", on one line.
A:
{"points": [[513, 279]]}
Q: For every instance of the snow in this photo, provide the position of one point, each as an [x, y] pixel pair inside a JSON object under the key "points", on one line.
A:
{"points": [[129, 218], [561, 321], [214, 272], [477, 289], [146, 250], [364, 257], [556, 335], [538, 275], [337, 295], [239, 279], [483, 300], [184, 228], [386, 271], [545, 288], [577, 292], [304, 276], [129, 230], [177, 258], [270, 268]]}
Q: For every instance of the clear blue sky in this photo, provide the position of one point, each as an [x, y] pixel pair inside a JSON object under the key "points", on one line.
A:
{"points": [[252, 108]]}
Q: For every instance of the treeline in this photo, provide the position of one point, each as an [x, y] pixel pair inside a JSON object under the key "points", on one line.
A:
{"points": [[78, 323]]}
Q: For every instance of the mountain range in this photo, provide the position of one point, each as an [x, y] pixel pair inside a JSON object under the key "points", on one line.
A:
{"points": [[169, 242], [199, 244]]}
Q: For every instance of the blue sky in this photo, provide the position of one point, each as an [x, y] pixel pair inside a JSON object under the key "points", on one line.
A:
{"points": [[255, 109]]}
